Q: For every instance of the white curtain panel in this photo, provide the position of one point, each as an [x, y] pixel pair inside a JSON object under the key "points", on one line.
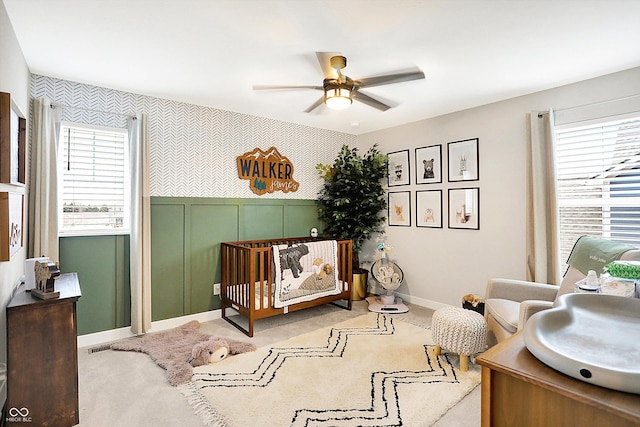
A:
{"points": [[140, 238], [542, 207], [43, 183]]}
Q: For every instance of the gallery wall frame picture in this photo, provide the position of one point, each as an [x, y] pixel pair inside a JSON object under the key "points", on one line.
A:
{"points": [[13, 130], [399, 169], [399, 208], [429, 208], [11, 224], [464, 160], [464, 208], [429, 164]]}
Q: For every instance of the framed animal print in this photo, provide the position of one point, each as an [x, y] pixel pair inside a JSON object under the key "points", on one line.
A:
{"points": [[399, 173], [463, 160], [429, 164], [11, 224], [429, 208], [464, 208], [400, 208]]}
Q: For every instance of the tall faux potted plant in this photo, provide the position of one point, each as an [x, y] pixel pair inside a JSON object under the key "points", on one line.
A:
{"points": [[352, 201]]}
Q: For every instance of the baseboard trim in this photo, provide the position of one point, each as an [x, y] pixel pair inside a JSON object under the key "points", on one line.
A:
{"points": [[423, 302], [98, 338]]}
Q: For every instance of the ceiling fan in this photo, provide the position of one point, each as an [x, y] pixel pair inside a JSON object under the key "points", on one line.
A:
{"points": [[340, 90]]}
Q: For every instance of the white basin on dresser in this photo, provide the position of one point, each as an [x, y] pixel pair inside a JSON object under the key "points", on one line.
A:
{"points": [[591, 337]]}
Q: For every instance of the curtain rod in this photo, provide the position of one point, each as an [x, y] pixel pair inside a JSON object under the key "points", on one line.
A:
{"points": [[540, 115], [53, 105]]}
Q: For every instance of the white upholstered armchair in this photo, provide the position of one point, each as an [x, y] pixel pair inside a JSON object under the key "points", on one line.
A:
{"points": [[510, 303]]}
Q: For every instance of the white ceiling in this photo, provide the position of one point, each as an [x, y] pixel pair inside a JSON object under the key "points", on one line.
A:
{"points": [[211, 52]]}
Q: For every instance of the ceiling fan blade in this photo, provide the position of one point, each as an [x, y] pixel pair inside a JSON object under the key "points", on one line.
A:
{"points": [[271, 87], [324, 60], [390, 79], [315, 105], [371, 102]]}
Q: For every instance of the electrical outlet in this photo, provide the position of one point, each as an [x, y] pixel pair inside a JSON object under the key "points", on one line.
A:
{"points": [[216, 288]]}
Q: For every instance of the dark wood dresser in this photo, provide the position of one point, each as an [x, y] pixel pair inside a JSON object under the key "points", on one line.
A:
{"points": [[42, 357], [520, 391]]}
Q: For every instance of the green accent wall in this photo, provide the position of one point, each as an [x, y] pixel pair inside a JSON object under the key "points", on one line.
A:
{"points": [[185, 255], [103, 271]]}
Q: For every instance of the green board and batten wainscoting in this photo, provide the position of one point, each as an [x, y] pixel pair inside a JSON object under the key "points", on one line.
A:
{"points": [[102, 264], [185, 255]]}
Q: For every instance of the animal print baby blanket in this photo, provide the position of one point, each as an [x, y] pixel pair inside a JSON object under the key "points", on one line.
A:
{"points": [[305, 271]]}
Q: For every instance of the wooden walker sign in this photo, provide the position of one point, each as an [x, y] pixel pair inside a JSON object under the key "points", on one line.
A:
{"points": [[267, 172]]}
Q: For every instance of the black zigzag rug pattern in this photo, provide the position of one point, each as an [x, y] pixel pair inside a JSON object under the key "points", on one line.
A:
{"points": [[265, 373], [385, 405]]}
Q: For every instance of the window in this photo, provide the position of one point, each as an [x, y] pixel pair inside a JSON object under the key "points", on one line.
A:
{"points": [[94, 180], [598, 170]]}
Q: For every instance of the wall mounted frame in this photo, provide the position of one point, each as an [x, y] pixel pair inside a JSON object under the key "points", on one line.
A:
{"points": [[464, 160], [13, 129], [399, 169], [11, 224], [400, 208], [464, 208], [429, 208]]}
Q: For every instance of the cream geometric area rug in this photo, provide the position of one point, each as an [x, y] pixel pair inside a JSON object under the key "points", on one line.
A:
{"points": [[372, 370]]}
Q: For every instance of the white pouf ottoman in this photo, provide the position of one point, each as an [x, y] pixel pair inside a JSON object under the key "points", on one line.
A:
{"points": [[461, 331]]}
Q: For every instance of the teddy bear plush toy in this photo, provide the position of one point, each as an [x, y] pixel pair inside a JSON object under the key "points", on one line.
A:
{"points": [[215, 349], [181, 349]]}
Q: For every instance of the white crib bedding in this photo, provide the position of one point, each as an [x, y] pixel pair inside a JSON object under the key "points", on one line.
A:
{"points": [[265, 297]]}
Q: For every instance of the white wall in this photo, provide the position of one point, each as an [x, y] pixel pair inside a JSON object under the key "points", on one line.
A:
{"points": [[442, 265], [14, 78]]}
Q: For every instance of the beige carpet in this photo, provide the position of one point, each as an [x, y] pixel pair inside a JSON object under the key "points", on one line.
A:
{"points": [[373, 370]]}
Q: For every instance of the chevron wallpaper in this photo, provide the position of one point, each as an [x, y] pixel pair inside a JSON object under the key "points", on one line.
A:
{"points": [[193, 149]]}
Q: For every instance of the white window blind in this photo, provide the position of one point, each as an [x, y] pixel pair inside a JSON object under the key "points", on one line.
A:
{"points": [[598, 170], [95, 184]]}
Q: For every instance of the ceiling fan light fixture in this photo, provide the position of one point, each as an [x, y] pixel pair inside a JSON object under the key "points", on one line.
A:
{"points": [[340, 90], [337, 98]]}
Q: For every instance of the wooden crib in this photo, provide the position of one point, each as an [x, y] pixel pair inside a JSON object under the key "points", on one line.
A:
{"points": [[247, 280]]}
